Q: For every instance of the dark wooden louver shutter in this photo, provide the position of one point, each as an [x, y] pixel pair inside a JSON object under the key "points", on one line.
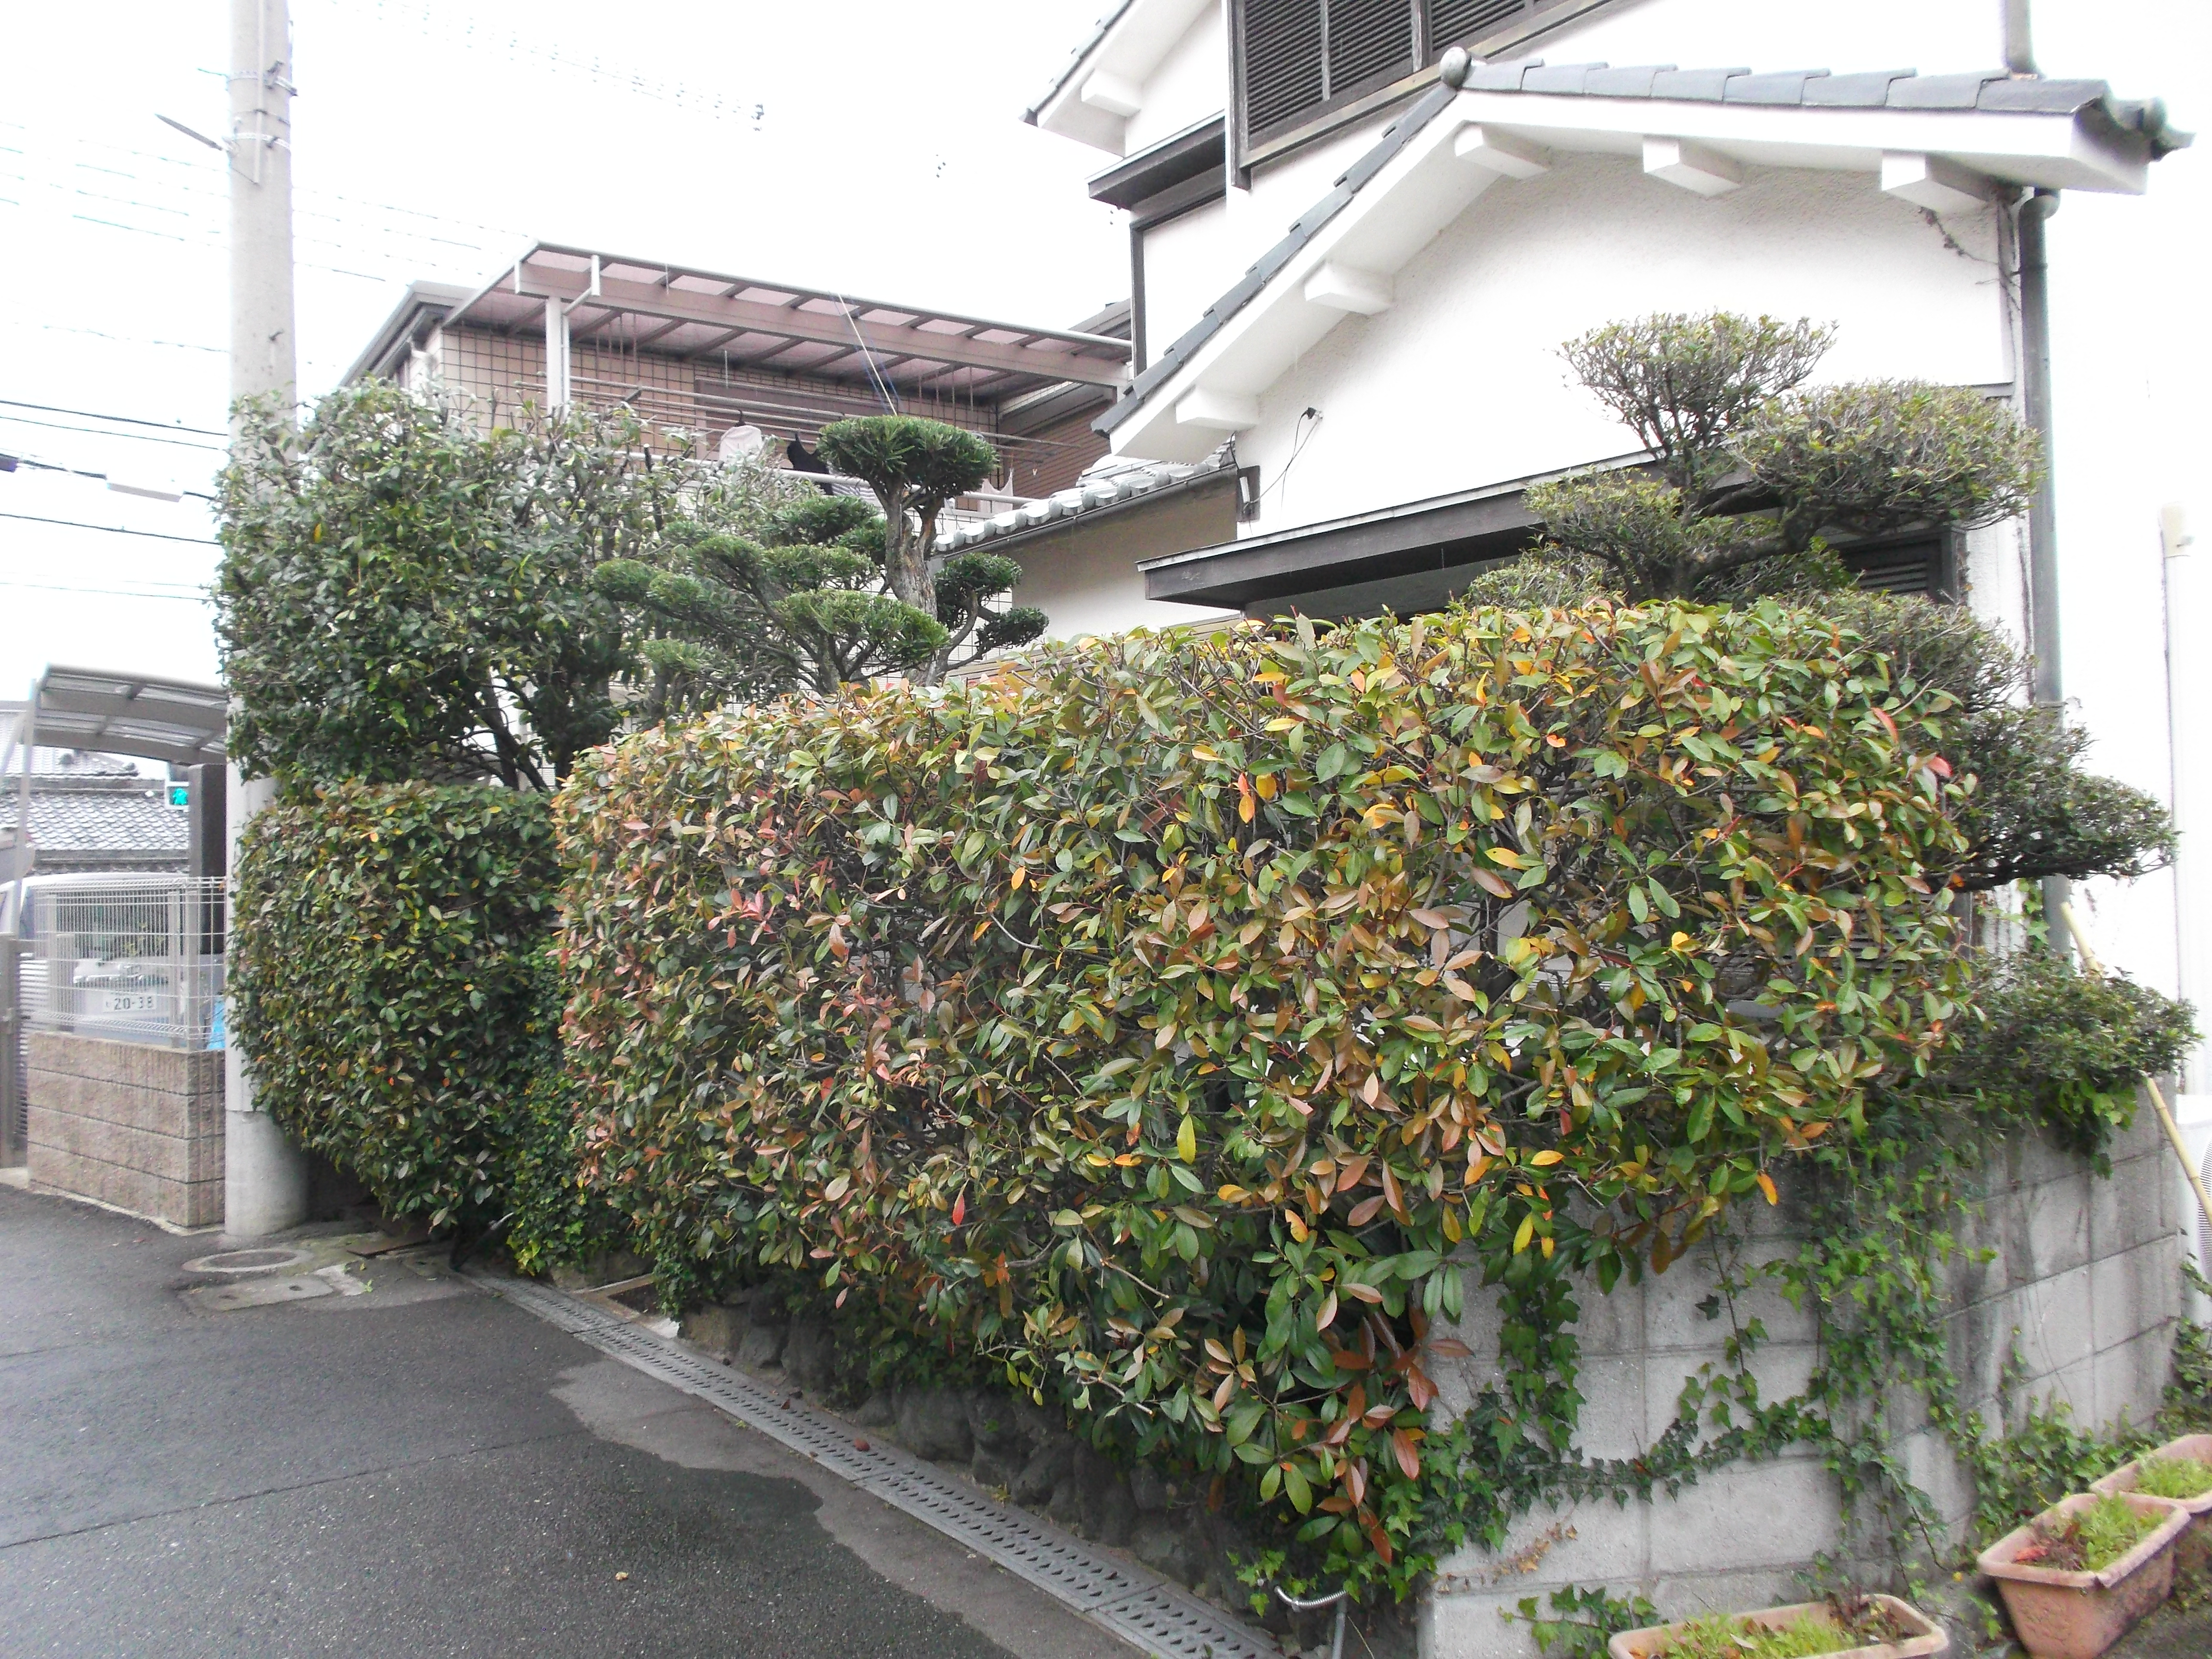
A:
{"points": [[1452, 20], [1282, 61], [1368, 39]]}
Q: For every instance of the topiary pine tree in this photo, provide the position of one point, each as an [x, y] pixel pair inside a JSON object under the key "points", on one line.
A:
{"points": [[1752, 476], [765, 590], [915, 466]]}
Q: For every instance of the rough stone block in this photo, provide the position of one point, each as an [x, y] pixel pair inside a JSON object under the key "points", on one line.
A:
{"points": [[932, 1423], [1591, 1543], [2130, 1381], [994, 1424], [2055, 1214], [1612, 1423], [2054, 1320], [714, 1328], [2132, 1293], [762, 1346], [1777, 1514], [995, 1471], [1164, 1546], [1049, 1468], [810, 1356]]}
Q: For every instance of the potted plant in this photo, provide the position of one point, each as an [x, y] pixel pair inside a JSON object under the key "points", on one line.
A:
{"points": [[1841, 1627], [2180, 1470], [2079, 1575]]}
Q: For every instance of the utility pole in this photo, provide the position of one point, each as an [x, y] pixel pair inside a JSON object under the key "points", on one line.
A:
{"points": [[265, 1176]]}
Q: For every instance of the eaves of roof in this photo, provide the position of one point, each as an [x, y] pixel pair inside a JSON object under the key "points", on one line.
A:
{"points": [[1311, 223], [1092, 499], [1075, 64], [2143, 124]]}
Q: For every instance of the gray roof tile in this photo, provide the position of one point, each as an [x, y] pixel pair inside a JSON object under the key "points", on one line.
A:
{"points": [[1939, 91], [1695, 86], [1860, 91], [63, 822], [1634, 81], [1788, 88]]}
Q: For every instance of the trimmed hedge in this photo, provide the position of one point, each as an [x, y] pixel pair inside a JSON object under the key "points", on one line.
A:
{"points": [[1156, 1020], [391, 989]]}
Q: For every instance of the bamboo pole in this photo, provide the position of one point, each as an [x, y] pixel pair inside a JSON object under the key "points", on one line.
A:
{"points": [[2157, 1095]]}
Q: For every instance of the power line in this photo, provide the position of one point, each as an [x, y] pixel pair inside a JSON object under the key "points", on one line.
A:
{"points": [[109, 592], [114, 530], [121, 420], [92, 432]]}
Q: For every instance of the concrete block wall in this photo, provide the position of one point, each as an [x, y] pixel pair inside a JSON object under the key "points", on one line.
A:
{"points": [[134, 1125], [2084, 1284]]}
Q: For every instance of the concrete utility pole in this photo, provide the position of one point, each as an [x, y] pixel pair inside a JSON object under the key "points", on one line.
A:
{"points": [[265, 1176]]}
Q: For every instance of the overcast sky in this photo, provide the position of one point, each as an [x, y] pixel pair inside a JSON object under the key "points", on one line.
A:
{"points": [[871, 146]]}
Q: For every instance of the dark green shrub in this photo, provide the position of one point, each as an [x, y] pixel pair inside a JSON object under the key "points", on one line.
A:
{"points": [[1156, 1021], [387, 974]]}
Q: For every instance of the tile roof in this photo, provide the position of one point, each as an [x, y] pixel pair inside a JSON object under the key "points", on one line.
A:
{"points": [[1897, 89], [1817, 88], [1104, 486], [66, 823]]}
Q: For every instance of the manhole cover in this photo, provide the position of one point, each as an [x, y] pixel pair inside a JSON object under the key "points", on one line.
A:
{"points": [[236, 1263]]}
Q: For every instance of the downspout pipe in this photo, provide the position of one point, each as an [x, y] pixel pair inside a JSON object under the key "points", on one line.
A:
{"points": [[2019, 38], [2047, 683]]}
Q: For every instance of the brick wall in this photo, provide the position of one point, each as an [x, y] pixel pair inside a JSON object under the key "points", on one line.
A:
{"points": [[131, 1125]]}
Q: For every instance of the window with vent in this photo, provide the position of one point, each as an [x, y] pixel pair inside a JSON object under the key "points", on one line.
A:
{"points": [[1297, 60]]}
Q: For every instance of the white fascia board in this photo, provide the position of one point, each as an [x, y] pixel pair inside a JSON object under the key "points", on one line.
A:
{"points": [[1125, 56], [1426, 186], [2056, 151]]}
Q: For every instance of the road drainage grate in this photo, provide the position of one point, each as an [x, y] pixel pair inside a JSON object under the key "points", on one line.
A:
{"points": [[1153, 1614]]}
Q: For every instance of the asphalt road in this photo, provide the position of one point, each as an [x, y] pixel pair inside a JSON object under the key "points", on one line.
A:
{"points": [[423, 1470]]}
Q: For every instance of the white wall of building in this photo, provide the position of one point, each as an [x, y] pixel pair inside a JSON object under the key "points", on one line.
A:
{"points": [[1929, 35], [1190, 83], [2132, 355], [1461, 384]]}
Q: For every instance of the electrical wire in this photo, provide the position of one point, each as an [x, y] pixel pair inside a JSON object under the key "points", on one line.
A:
{"points": [[90, 431], [114, 530], [120, 420], [108, 592]]}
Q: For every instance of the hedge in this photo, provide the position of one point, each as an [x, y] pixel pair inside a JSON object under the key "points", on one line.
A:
{"points": [[392, 989], [1159, 1020]]}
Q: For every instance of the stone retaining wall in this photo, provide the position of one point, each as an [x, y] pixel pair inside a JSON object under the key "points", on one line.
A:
{"points": [[134, 1125], [2084, 1287]]}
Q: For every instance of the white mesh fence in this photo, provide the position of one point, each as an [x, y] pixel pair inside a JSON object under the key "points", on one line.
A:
{"points": [[132, 961]]}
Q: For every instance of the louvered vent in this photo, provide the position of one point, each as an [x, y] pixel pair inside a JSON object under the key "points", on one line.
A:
{"points": [[1369, 39], [1451, 21], [1913, 567], [1282, 61]]}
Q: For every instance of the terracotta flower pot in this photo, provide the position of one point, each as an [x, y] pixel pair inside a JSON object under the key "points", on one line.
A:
{"points": [[1926, 1640], [2194, 1551], [2077, 1615]]}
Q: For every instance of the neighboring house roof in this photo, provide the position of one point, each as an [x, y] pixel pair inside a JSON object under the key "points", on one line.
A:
{"points": [[1934, 140], [61, 762], [73, 826], [1106, 487]]}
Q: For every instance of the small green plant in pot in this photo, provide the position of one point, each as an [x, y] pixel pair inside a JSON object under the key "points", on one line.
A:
{"points": [[2180, 1470], [1841, 1627], [2077, 1578]]}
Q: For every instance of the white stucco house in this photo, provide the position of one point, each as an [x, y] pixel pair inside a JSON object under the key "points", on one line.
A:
{"points": [[1359, 232]]}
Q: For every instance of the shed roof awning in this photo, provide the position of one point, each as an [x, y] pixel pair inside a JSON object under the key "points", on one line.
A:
{"points": [[674, 311], [180, 721]]}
